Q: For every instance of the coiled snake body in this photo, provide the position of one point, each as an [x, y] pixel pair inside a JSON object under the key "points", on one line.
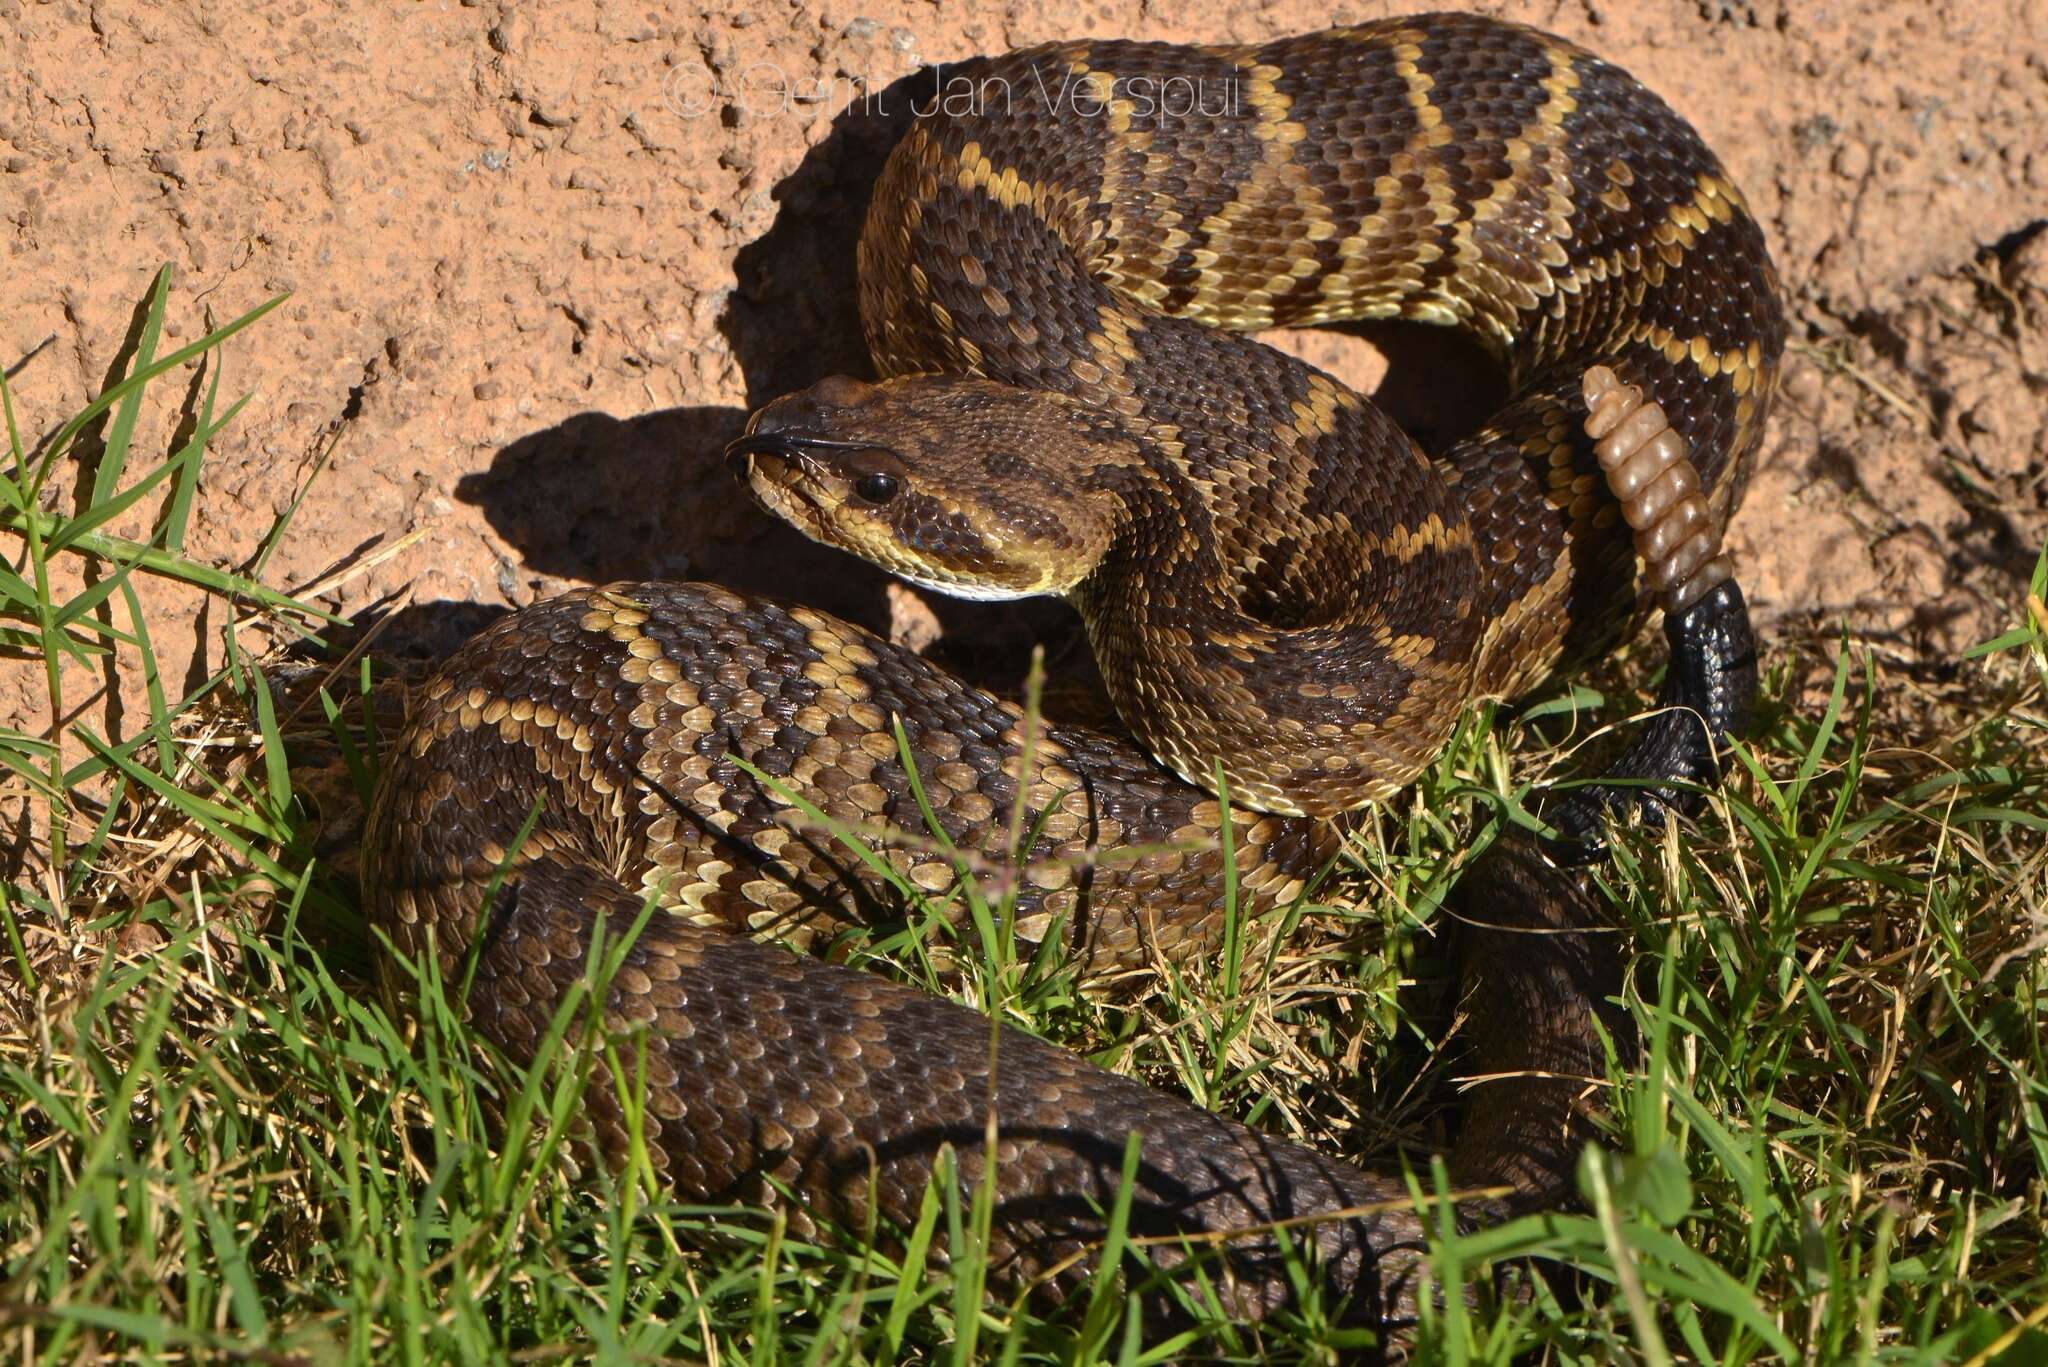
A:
{"points": [[1277, 583]]}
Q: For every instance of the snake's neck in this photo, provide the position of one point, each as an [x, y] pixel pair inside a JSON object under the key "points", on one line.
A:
{"points": [[1285, 683]]}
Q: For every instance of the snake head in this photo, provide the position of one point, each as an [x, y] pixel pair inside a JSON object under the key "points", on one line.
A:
{"points": [[964, 486]]}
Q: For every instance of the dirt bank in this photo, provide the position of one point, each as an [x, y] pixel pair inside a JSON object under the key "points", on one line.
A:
{"points": [[542, 265]]}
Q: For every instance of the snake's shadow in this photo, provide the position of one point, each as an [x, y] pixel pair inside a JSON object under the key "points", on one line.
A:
{"points": [[597, 497]]}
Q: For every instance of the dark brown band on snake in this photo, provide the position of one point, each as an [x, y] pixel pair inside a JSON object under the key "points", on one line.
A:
{"points": [[1273, 578]]}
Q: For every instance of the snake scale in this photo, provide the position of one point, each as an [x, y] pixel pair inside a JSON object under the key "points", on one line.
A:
{"points": [[1059, 258]]}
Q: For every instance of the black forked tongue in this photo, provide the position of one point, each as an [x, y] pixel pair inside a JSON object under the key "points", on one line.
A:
{"points": [[792, 444], [790, 427], [795, 448]]}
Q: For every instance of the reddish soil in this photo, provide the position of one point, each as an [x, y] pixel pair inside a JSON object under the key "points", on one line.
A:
{"points": [[542, 265]]}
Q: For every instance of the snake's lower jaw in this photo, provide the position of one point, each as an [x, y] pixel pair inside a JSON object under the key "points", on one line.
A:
{"points": [[969, 590], [778, 487], [755, 463], [791, 473]]}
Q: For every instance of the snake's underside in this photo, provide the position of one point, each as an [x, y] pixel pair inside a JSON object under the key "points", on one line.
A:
{"points": [[1273, 578]]}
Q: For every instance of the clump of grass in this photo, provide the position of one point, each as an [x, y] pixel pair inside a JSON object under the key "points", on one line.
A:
{"points": [[218, 1144]]}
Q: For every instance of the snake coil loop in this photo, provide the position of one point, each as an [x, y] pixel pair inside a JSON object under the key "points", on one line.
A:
{"points": [[1271, 574]]}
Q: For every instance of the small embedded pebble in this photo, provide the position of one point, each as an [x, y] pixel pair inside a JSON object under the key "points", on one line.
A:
{"points": [[1802, 383]]}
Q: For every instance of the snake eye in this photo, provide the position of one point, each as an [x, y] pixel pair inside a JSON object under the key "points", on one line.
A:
{"points": [[876, 488]]}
